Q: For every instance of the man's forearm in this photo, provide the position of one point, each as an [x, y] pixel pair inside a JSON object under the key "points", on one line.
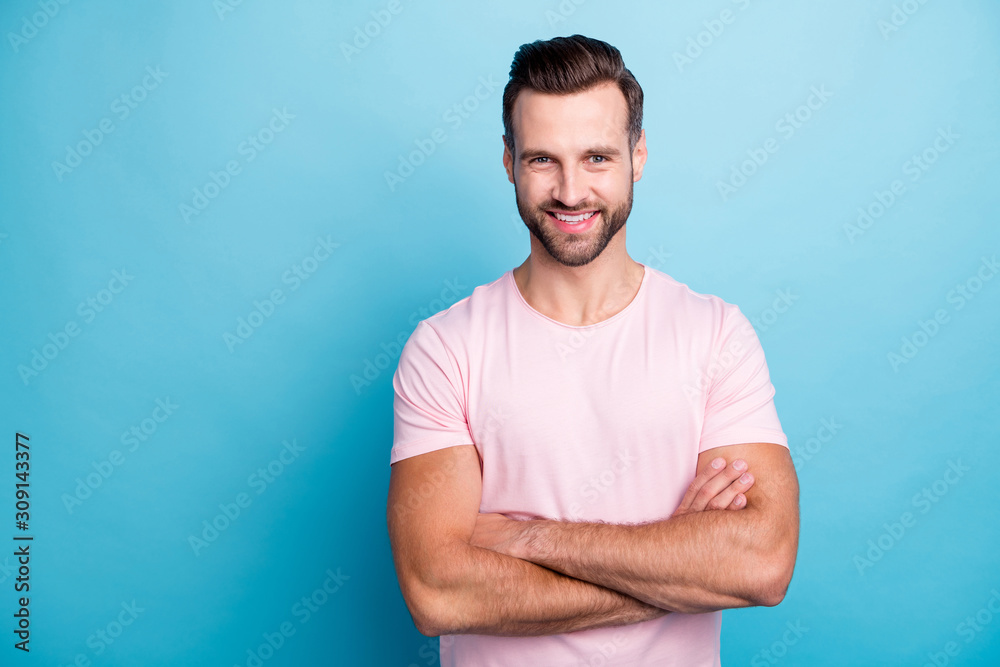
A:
{"points": [[485, 592], [694, 563]]}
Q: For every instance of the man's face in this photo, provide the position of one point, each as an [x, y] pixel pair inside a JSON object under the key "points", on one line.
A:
{"points": [[573, 172]]}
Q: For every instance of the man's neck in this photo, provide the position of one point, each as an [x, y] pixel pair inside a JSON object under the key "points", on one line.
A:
{"points": [[579, 295]]}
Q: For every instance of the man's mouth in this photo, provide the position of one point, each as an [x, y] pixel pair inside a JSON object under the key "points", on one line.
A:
{"points": [[573, 222], [573, 218]]}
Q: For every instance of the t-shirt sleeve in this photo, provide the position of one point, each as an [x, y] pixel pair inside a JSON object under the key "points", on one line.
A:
{"points": [[740, 406], [428, 405]]}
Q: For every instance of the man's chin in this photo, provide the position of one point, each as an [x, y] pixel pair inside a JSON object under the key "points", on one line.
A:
{"points": [[574, 253]]}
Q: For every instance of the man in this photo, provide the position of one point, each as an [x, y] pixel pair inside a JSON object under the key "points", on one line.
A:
{"points": [[554, 496]]}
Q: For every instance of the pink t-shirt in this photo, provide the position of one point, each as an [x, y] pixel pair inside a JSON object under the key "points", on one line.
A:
{"points": [[601, 422]]}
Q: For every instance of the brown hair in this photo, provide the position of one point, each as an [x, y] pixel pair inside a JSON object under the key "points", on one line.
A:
{"points": [[566, 65]]}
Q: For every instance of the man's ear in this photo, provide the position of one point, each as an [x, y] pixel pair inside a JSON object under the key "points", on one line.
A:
{"points": [[639, 156], [508, 159]]}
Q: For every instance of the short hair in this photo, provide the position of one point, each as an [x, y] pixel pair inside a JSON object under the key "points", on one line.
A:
{"points": [[566, 65]]}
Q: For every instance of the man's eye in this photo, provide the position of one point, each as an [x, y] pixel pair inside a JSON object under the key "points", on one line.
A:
{"points": [[537, 159], [599, 158]]}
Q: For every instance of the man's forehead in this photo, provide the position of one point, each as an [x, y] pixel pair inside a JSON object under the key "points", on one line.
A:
{"points": [[599, 112]]}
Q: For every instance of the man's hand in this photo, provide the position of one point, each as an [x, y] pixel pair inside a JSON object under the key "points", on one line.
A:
{"points": [[717, 487], [453, 587], [693, 562]]}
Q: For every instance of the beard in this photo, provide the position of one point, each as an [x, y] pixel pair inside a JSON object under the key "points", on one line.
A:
{"points": [[574, 249]]}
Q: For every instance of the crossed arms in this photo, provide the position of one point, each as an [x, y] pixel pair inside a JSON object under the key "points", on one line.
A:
{"points": [[732, 542]]}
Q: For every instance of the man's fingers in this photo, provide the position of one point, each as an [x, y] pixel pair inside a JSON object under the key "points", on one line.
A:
{"points": [[714, 467], [715, 493], [728, 497]]}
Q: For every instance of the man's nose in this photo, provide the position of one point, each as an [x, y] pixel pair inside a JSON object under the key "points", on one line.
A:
{"points": [[571, 188]]}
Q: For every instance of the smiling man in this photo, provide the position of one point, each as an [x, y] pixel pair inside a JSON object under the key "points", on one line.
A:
{"points": [[573, 442]]}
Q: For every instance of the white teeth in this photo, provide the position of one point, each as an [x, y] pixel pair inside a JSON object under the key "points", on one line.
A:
{"points": [[574, 218]]}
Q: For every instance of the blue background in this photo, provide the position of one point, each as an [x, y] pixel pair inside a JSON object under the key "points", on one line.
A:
{"points": [[451, 224]]}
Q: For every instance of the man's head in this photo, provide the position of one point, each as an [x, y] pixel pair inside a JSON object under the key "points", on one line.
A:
{"points": [[573, 143], [565, 65]]}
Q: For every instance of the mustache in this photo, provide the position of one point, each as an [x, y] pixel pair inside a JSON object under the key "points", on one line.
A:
{"points": [[556, 205]]}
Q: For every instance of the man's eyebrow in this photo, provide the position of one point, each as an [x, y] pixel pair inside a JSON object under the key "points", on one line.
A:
{"points": [[531, 153]]}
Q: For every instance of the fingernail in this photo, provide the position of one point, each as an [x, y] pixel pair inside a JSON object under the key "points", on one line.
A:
{"points": [[718, 463], [740, 498], [746, 477], [740, 464]]}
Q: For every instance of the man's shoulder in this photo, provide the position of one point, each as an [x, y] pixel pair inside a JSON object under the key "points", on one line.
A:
{"points": [[677, 296], [459, 318]]}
